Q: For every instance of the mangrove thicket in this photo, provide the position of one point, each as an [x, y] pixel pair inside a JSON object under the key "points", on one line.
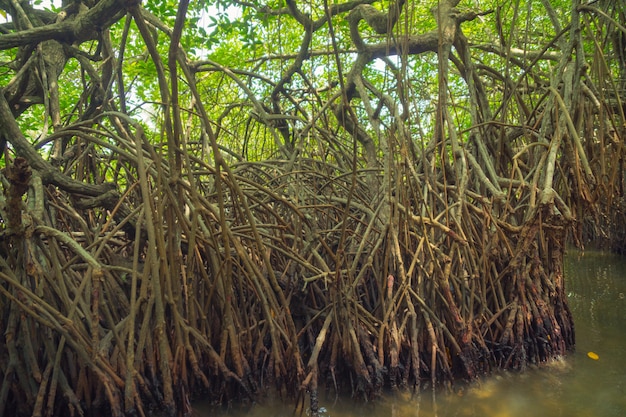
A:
{"points": [[224, 198]]}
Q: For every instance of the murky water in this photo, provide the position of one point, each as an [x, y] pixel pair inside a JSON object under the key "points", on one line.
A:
{"points": [[577, 386]]}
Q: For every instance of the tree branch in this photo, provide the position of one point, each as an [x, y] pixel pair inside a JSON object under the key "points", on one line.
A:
{"points": [[10, 131], [83, 27]]}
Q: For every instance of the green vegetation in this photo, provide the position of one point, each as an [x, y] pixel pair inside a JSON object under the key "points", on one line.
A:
{"points": [[222, 199]]}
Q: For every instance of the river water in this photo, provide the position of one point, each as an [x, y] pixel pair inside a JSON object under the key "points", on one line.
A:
{"points": [[579, 385]]}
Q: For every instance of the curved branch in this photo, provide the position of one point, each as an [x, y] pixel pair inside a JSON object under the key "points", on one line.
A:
{"points": [[83, 27], [10, 132], [380, 22]]}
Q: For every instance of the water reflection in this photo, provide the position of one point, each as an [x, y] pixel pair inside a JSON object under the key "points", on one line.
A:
{"points": [[574, 386]]}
